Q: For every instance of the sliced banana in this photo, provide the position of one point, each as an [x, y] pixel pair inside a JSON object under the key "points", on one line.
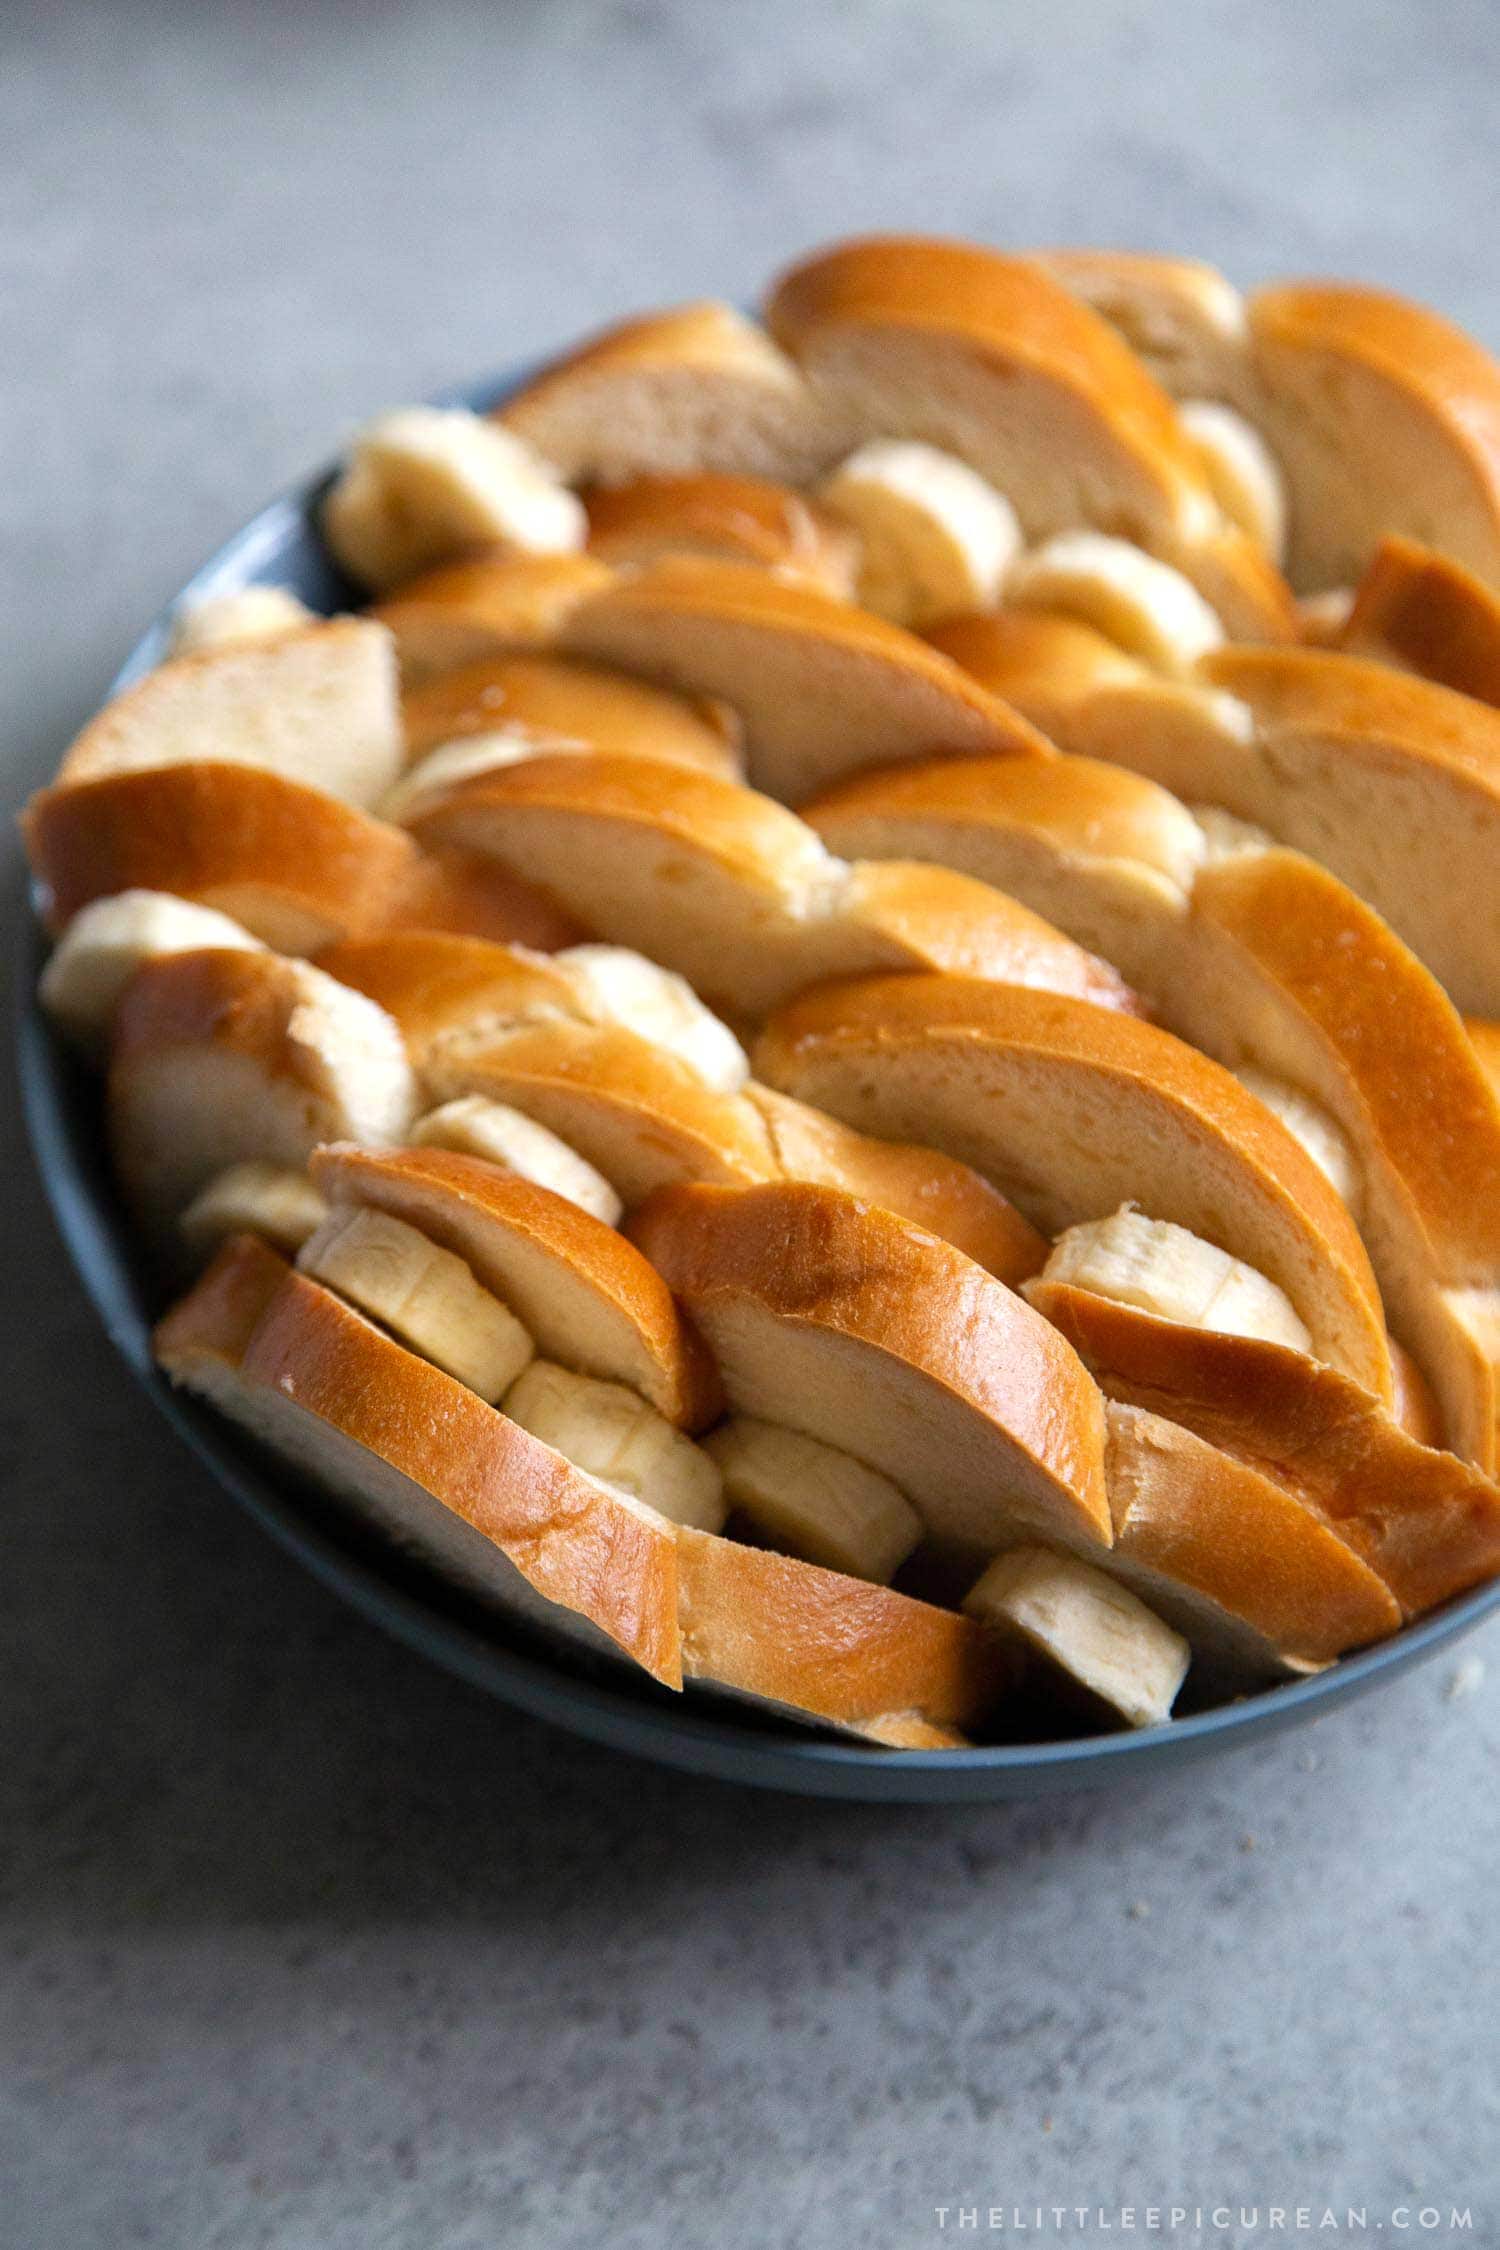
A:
{"points": [[934, 536], [613, 1435], [1144, 606], [1324, 616], [1309, 1122], [250, 613], [616, 985], [472, 1126], [426, 1297], [1226, 836], [275, 1201], [1243, 473], [452, 762], [427, 483], [814, 1501], [106, 943], [1163, 1269], [1087, 1627]]}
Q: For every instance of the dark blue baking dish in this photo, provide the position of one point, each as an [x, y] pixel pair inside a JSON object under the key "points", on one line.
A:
{"points": [[281, 546]]}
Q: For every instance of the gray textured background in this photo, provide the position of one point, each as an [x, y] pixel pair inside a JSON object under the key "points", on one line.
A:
{"points": [[300, 1943]]}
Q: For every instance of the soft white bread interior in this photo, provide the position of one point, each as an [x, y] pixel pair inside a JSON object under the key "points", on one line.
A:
{"points": [[249, 613], [694, 387], [1085, 1631], [275, 1202], [823, 688], [318, 705], [1075, 1110], [513, 1142], [584, 1295], [103, 946], [813, 1500], [737, 518], [832, 1317], [609, 1430], [1180, 317], [490, 605], [1425, 1522], [735, 892], [428, 484], [1425, 612], [932, 536], [423, 1460], [218, 1057]]}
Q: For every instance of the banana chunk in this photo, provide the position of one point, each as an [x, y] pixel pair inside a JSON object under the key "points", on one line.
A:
{"points": [[275, 1201], [426, 484], [1243, 473], [613, 1435], [107, 942], [250, 613], [426, 1297], [935, 538], [1323, 1139], [515, 1142], [1226, 836], [1144, 606], [813, 1501], [1087, 1628], [1163, 1269], [616, 985]]}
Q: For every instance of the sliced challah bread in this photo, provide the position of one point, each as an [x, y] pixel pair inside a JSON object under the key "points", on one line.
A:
{"points": [[493, 605], [1075, 1110], [554, 702], [737, 893], [1425, 612], [736, 518]]}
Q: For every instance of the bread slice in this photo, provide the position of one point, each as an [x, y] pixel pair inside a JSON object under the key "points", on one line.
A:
{"points": [[696, 387], [645, 1121], [1425, 1522], [991, 359], [1102, 854], [548, 702], [735, 892], [288, 862], [1181, 318], [495, 604], [823, 688], [842, 1321], [423, 1461], [318, 706], [588, 1298], [1425, 612], [219, 1057], [1075, 1110], [1257, 1582], [735, 518]]}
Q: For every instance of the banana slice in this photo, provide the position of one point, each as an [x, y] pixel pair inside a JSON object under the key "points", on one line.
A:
{"points": [[429, 483], [1323, 1139], [935, 538], [453, 762], [1163, 1269], [1086, 1627], [1243, 473], [611, 1434], [107, 942], [1324, 616], [251, 613], [424, 1295], [517, 1143], [1144, 606], [814, 1501], [275, 1201], [1225, 835], [616, 985]]}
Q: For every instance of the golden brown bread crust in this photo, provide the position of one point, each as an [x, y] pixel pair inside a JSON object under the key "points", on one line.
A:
{"points": [[821, 1264], [479, 1212], [857, 1655], [220, 1313], [492, 605], [1162, 1122], [737, 518], [466, 894], [557, 699], [438, 984], [1426, 1522], [1222, 1529], [1424, 611]]}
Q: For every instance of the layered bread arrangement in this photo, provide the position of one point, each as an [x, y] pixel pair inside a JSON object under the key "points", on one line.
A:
{"points": [[843, 1052]]}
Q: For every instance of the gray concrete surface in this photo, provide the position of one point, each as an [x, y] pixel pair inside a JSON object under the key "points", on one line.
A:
{"points": [[303, 1944]]}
